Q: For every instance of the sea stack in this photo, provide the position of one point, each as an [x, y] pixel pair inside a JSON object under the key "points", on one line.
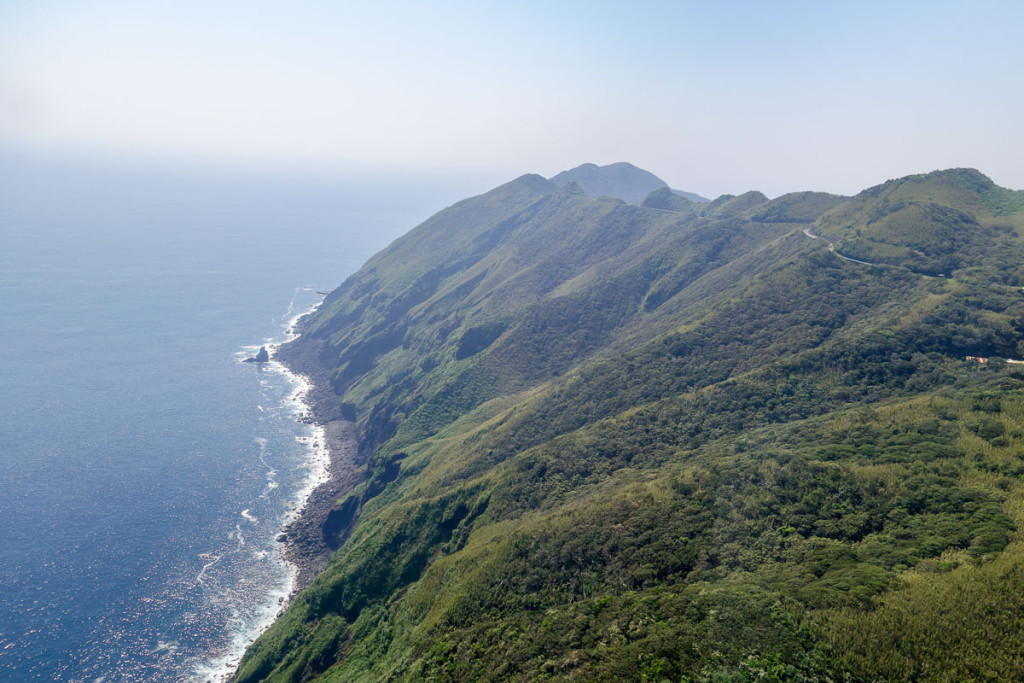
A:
{"points": [[262, 357]]}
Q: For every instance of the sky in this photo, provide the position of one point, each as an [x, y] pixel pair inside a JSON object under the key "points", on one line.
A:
{"points": [[713, 97]]}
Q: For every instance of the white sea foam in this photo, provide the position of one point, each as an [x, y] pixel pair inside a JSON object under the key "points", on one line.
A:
{"points": [[319, 457], [246, 352], [210, 560], [248, 516], [221, 666], [162, 646]]}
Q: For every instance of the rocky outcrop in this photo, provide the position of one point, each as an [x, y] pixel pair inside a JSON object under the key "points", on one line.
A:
{"points": [[262, 357]]}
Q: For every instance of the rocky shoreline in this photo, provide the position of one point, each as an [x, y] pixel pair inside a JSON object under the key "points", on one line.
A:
{"points": [[305, 544]]}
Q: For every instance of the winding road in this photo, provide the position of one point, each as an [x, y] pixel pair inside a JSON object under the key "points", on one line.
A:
{"points": [[832, 248]]}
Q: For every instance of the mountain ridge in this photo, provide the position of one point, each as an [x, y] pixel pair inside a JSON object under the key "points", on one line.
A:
{"points": [[621, 180], [601, 440]]}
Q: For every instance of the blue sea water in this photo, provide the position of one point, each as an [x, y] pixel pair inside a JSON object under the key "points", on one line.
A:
{"points": [[145, 471]]}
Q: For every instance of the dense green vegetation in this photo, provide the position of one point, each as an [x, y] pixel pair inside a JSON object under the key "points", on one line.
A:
{"points": [[667, 200], [797, 207], [611, 442]]}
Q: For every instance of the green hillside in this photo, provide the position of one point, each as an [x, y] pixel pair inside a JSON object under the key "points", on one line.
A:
{"points": [[667, 200], [616, 442], [933, 224]]}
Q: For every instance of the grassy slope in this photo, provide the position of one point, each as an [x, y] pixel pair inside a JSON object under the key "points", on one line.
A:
{"points": [[623, 444]]}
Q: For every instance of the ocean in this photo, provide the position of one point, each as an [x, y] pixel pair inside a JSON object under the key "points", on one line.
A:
{"points": [[145, 470]]}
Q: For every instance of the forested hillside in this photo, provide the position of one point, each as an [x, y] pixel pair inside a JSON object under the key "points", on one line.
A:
{"points": [[677, 441]]}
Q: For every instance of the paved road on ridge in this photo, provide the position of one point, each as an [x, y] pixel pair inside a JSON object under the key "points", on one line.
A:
{"points": [[832, 248]]}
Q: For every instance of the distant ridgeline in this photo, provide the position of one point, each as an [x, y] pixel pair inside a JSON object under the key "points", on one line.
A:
{"points": [[612, 433]]}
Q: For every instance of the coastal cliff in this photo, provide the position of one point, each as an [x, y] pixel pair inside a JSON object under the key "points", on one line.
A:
{"points": [[577, 438]]}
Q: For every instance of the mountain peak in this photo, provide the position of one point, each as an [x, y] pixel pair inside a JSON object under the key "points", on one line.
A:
{"points": [[964, 189], [666, 199], [930, 223], [571, 187], [730, 205], [621, 179]]}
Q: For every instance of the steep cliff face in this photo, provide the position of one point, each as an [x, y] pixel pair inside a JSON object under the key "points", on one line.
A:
{"points": [[608, 441]]}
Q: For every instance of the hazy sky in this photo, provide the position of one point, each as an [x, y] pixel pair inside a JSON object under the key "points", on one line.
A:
{"points": [[712, 96]]}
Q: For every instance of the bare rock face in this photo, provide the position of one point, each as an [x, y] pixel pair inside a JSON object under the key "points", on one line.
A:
{"points": [[262, 357]]}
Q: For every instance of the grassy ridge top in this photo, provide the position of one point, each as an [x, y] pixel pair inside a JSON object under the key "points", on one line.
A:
{"points": [[607, 441], [934, 223]]}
